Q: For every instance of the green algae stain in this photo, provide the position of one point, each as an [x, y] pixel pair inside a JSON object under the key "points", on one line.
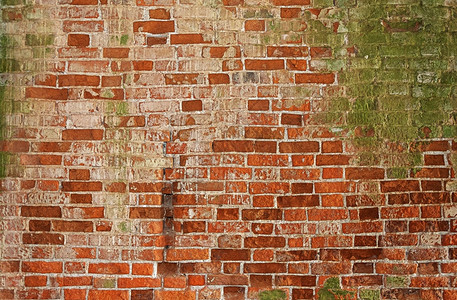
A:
{"points": [[370, 294], [124, 227], [39, 39], [396, 281], [395, 60], [124, 39], [272, 295], [7, 65], [332, 290]]}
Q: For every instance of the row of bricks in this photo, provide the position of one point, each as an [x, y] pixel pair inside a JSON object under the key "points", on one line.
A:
{"points": [[235, 293], [163, 269], [172, 79], [302, 258], [257, 132], [181, 210], [236, 187], [195, 280], [318, 242], [257, 187], [222, 146]]}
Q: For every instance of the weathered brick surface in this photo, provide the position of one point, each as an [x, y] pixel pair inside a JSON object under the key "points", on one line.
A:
{"points": [[220, 149]]}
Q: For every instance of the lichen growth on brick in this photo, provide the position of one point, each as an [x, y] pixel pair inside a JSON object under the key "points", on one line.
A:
{"points": [[369, 294], [7, 64], [272, 295], [395, 62], [397, 281], [332, 290]]}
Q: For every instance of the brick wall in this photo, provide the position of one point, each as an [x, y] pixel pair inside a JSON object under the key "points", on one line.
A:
{"points": [[228, 149]]}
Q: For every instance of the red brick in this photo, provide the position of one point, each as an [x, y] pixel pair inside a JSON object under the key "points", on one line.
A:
{"points": [[46, 93], [116, 187], [399, 186], [194, 226], [295, 280], [430, 198], [74, 294], [196, 280], [291, 119], [146, 213], [264, 268], [115, 94], [254, 25], [297, 64], [154, 27], [84, 2], [41, 267], [116, 52], [187, 254], [41, 159], [43, 238], [81, 198], [78, 40], [332, 147], [264, 132], [188, 38], [39, 225], [332, 160], [109, 268], [264, 242], [314, 78], [364, 173], [138, 282], [228, 214], [232, 65], [302, 188], [268, 188], [11, 266], [181, 295], [192, 105], [34, 281], [108, 294], [75, 281], [78, 80], [78, 186], [271, 64], [219, 78], [142, 65], [233, 146], [265, 146], [82, 134], [333, 187], [296, 255], [41, 211], [298, 201], [174, 282], [72, 226], [261, 214], [178, 79], [302, 160], [290, 2], [290, 13], [319, 52], [79, 174], [274, 51], [298, 147], [327, 214], [222, 52], [159, 13]]}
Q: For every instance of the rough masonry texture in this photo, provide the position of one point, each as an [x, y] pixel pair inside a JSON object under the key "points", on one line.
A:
{"points": [[228, 149]]}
